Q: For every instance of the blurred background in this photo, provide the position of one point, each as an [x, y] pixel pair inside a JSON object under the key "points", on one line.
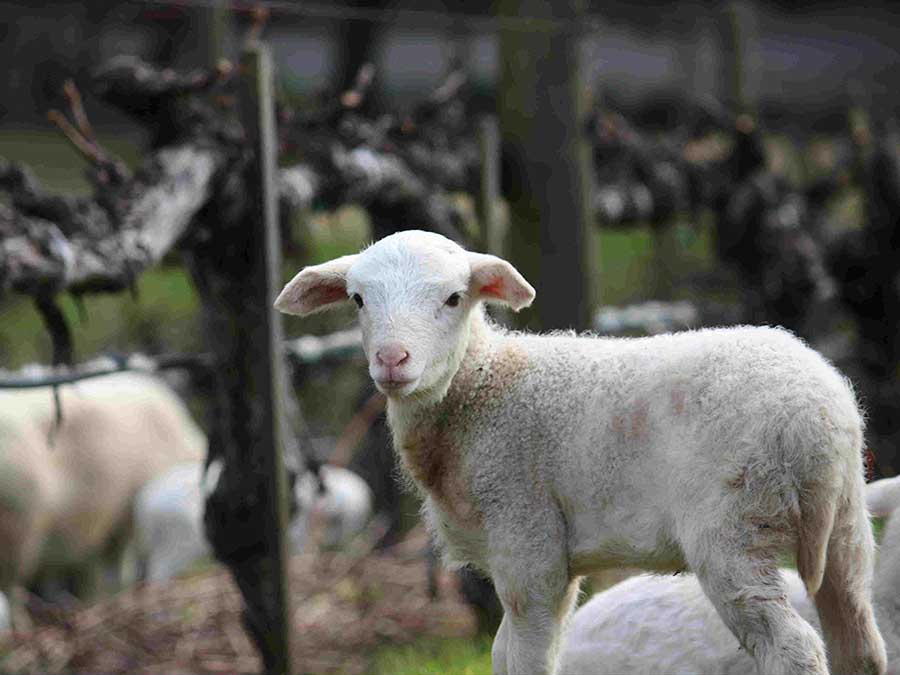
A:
{"points": [[649, 168]]}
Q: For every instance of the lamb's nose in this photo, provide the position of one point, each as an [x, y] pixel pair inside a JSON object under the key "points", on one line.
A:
{"points": [[391, 355]]}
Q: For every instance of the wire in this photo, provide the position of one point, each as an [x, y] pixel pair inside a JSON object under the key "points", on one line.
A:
{"points": [[101, 367], [307, 350], [418, 17]]}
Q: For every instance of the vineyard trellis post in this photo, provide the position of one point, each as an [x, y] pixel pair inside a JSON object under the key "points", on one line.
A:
{"points": [[547, 177], [491, 234], [237, 272], [258, 114]]}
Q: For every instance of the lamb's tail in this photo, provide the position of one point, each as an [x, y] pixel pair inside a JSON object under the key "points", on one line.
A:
{"points": [[834, 559], [817, 520]]}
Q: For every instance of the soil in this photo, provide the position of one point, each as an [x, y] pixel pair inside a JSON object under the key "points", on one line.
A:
{"points": [[345, 606]]}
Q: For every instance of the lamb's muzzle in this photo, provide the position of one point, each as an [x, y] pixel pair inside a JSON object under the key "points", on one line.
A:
{"points": [[543, 457]]}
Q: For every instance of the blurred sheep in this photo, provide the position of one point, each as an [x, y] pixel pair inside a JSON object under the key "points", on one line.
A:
{"points": [[169, 515], [67, 486]]}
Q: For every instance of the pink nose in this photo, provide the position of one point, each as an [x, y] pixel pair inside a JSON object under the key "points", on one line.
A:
{"points": [[391, 355]]}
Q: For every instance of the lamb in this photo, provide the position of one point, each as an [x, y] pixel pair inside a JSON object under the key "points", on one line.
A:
{"points": [[169, 515], [653, 624], [67, 493], [541, 458]]}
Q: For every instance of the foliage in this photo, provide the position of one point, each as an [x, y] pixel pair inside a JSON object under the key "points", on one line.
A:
{"points": [[436, 656]]}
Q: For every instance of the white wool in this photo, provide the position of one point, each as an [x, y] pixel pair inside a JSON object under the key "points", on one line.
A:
{"points": [[67, 493], [5, 614], [542, 458], [169, 515], [169, 523], [665, 624]]}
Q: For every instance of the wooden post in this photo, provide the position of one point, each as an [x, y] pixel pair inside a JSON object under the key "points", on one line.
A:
{"points": [[740, 47], [216, 33], [258, 115], [489, 190], [237, 272], [547, 181]]}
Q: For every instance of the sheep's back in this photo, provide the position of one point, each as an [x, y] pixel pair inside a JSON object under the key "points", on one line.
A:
{"points": [[635, 435], [115, 434], [660, 624]]}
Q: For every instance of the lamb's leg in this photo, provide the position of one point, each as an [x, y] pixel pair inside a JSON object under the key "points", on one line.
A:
{"points": [[749, 594], [536, 606], [498, 650], [119, 562], [19, 618]]}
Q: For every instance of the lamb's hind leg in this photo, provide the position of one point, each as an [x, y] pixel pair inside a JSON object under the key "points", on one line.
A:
{"points": [[749, 594]]}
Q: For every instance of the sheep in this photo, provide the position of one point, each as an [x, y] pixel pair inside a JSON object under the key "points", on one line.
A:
{"points": [[67, 491], [543, 457], [168, 523], [169, 515], [344, 504], [5, 614], [654, 624]]}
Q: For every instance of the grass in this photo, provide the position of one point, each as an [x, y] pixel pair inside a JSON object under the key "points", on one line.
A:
{"points": [[162, 315], [459, 656], [55, 163], [631, 270]]}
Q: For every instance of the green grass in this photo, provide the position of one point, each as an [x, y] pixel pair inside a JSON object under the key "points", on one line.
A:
{"points": [[55, 163], [161, 316], [631, 269], [459, 656]]}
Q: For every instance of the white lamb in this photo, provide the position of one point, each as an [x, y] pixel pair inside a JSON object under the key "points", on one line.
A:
{"points": [[169, 515], [67, 493], [664, 624], [542, 458]]}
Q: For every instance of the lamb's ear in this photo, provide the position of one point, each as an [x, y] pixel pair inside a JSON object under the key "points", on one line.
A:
{"points": [[315, 288], [495, 280]]}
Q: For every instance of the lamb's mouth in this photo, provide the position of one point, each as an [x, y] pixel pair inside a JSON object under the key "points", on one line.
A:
{"points": [[396, 387]]}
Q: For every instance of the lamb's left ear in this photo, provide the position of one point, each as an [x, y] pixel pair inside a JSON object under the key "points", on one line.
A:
{"points": [[495, 280], [315, 288]]}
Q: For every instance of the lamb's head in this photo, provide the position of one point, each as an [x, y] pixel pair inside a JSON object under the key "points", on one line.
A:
{"points": [[417, 293]]}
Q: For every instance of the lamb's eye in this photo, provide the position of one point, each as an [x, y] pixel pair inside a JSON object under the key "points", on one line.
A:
{"points": [[453, 300], [357, 298]]}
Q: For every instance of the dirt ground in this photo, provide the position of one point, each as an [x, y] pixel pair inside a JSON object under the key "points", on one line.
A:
{"points": [[345, 605]]}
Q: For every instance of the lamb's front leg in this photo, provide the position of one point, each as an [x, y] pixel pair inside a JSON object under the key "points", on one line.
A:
{"points": [[537, 597], [498, 650]]}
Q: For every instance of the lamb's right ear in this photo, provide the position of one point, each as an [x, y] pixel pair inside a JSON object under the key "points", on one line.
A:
{"points": [[316, 288]]}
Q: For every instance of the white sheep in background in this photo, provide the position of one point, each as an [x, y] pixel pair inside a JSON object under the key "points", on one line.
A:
{"points": [[542, 458], [5, 614], [655, 624], [169, 515], [344, 507], [168, 523], [67, 493]]}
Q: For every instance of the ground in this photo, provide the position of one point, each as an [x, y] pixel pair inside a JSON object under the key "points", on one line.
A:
{"points": [[353, 613]]}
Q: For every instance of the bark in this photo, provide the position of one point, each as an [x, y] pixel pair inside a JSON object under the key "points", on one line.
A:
{"points": [[90, 248]]}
